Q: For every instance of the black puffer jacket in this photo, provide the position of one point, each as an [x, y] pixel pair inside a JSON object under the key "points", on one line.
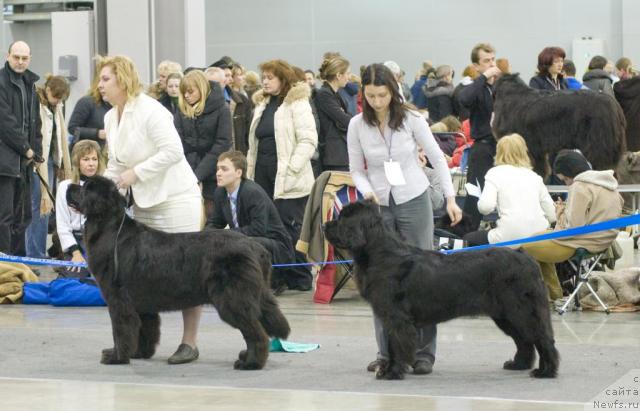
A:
{"points": [[87, 119], [598, 80], [628, 95], [205, 137], [15, 138]]}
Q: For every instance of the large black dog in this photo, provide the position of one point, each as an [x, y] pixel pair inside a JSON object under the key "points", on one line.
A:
{"points": [[552, 120], [152, 271], [408, 287]]}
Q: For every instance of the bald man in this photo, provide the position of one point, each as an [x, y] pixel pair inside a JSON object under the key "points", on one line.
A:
{"points": [[20, 143]]}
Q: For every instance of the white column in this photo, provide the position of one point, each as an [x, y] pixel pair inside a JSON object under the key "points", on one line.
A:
{"points": [[194, 28]]}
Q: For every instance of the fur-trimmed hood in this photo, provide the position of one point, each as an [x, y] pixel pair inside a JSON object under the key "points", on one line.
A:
{"points": [[299, 91]]}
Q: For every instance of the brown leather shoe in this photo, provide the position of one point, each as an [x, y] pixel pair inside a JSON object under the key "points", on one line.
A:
{"points": [[184, 354]]}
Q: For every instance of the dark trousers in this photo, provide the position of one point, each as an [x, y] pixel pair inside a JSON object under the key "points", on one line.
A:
{"points": [[474, 238], [291, 213], [281, 252], [15, 214], [481, 157], [265, 174]]}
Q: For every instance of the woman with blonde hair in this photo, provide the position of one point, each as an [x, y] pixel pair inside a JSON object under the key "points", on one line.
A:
{"points": [[55, 153], [204, 125], [146, 156], [519, 194], [158, 90], [333, 115], [86, 162]]}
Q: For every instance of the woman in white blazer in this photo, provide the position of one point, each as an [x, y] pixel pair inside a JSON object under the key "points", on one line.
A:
{"points": [[145, 154]]}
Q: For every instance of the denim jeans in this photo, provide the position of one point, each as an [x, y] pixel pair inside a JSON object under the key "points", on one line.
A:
{"points": [[36, 234]]}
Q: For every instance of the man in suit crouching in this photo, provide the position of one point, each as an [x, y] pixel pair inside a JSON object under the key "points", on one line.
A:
{"points": [[244, 206]]}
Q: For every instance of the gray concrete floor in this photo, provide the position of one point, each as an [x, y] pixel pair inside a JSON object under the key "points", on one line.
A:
{"points": [[49, 360]]}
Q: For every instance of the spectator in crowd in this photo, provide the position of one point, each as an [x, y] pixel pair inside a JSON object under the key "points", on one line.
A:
{"points": [[569, 70], [610, 69], [238, 80], [55, 153], [386, 137], [624, 68], [252, 84], [397, 74], [518, 194], [216, 74], [158, 90], [282, 140], [593, 198], [332, 112], [596, 78], [310, 78], [350, 92], [86, 161], [469, 75], [478, 99], [417, 89], [244, 206], [146, 156], [440, 96], [204, 126], [550, 64], [21, 139], [627, 93], [173, 91], [87, 119]]}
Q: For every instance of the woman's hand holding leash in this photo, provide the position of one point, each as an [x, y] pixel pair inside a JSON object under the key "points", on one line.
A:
{"points": [[126, 179]]}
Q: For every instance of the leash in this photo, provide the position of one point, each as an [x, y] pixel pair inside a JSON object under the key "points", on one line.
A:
{"points": [[46, 186], [129, 197]]}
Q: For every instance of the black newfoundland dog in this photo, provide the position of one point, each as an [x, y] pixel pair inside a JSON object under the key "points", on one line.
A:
{"points": [[142, 271], [408, 287], [552, 120]]}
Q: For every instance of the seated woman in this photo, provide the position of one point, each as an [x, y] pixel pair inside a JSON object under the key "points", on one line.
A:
{"points": [[593, 198], [518, 194], [86, 162]]}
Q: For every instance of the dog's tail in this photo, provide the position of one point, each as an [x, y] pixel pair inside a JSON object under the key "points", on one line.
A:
{"points": [[271, 318]]}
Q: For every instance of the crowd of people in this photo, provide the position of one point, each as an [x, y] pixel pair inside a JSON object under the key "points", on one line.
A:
{"points": [[224, 147]]}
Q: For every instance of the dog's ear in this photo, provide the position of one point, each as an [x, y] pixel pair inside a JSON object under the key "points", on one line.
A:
{"points": [[101, 196]]}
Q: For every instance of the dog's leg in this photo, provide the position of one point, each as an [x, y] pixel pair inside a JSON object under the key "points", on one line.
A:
{"points": [[125, 325], [149, 336], [246, 320], [545, 344], [402, 347], [525, 352]]}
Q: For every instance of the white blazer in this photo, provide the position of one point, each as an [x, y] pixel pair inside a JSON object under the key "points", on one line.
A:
{"points": [[147, 141]]}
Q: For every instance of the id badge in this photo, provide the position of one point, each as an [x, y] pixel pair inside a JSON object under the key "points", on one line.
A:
{"points": [[393, 172]]}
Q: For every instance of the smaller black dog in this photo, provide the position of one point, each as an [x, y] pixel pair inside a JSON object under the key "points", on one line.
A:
{"points": [[408, 287]]}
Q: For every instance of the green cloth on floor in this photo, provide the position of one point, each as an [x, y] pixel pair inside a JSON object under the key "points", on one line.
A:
{"points": [[278, 345]]}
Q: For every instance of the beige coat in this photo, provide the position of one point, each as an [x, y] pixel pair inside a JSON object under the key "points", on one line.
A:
{"points": [[61, 158], [296, 140], [593, 198]]}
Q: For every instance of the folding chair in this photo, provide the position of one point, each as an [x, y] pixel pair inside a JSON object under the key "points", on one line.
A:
{"points": [[584, 263], [338, 191]]}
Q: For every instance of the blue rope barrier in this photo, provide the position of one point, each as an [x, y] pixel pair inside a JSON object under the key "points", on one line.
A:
{"points": [[570, 232]]}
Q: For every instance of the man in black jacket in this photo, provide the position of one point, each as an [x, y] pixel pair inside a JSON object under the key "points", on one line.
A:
{"points": [[20, 143], [244, 206], [478, 98]]}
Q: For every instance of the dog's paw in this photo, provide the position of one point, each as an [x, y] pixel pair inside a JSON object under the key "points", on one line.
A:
{"points": [[243, 365], [541, 373], [109, 357], [515, 366], [242, 355], [390, 372]]}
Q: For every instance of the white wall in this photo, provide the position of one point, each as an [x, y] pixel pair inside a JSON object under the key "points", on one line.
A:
{"points": [[408, 31], [72, 34]]}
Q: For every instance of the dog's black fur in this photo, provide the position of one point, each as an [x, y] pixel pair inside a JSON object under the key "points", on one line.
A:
{"points": [[408, 287], [552, 120], [158, 271]]}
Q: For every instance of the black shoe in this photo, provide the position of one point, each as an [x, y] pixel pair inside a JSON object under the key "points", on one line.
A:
{"points": [[373, 365], [184, 354], [300, 287], [422, 367]]}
